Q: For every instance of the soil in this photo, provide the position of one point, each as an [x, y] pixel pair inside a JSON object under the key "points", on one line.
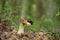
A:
{"points": [[8, 33]]}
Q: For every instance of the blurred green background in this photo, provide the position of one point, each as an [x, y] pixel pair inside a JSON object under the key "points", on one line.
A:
{"points": [[45, 14]]}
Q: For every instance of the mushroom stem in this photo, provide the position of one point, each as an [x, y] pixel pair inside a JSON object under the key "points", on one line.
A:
{"points": [[21, 29]]}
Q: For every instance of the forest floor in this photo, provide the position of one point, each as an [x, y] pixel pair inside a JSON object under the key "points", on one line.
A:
{"points": [[8, 33]]}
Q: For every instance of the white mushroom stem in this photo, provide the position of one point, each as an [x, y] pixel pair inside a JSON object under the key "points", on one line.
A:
{"points": [[21, 29]]}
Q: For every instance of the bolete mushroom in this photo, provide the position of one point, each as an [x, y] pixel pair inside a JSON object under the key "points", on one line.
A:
{"points": [[23, 21]]}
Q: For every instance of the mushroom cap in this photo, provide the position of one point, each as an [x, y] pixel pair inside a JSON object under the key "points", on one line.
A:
{"points": [[26, 21]]}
